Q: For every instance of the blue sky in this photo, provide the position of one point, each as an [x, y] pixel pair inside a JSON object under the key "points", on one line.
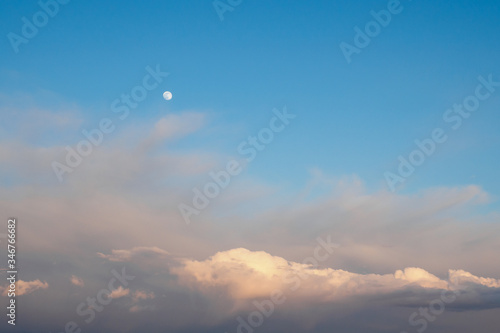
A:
{"points": [[352, 122], [354, 118]]}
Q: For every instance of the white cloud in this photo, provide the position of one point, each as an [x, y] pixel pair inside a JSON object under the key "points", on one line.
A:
{"points": [[463, 278], [248, 274], [421, 277]]}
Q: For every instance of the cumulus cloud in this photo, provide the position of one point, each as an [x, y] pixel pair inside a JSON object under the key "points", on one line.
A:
{"points": [[26, 287], [461, 278], [420, 277], [246, 274], [136, 198]]}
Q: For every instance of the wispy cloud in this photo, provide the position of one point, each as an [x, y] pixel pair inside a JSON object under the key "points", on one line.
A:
{"points": [[126, 255], [174, 126]]}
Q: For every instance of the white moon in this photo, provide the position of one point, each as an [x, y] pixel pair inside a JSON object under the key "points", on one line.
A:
{"points": [[167, 95]]}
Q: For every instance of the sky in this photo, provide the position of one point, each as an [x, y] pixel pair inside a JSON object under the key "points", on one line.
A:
{"points": [[322, 165]]}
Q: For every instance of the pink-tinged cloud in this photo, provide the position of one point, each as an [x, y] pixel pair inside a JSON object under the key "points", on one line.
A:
{"points": [[421, 277], [25, 287], [248, 274], [135, 308], [461, 277], [143, 295], [119, 292], [75, 280]]}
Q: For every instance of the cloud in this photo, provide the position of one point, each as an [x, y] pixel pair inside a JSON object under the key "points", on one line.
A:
{"points": [[143, 295], [119, 292], [379, 231], [135, 308], [24, 117], [420, 277], [246, 274], [174, 126], [77, 281], [26, 287], [113, 202], [127, 255], [138, 308], [461, 277]]}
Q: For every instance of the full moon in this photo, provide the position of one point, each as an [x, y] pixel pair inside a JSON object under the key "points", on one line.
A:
{"points": [[167, 95]]}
